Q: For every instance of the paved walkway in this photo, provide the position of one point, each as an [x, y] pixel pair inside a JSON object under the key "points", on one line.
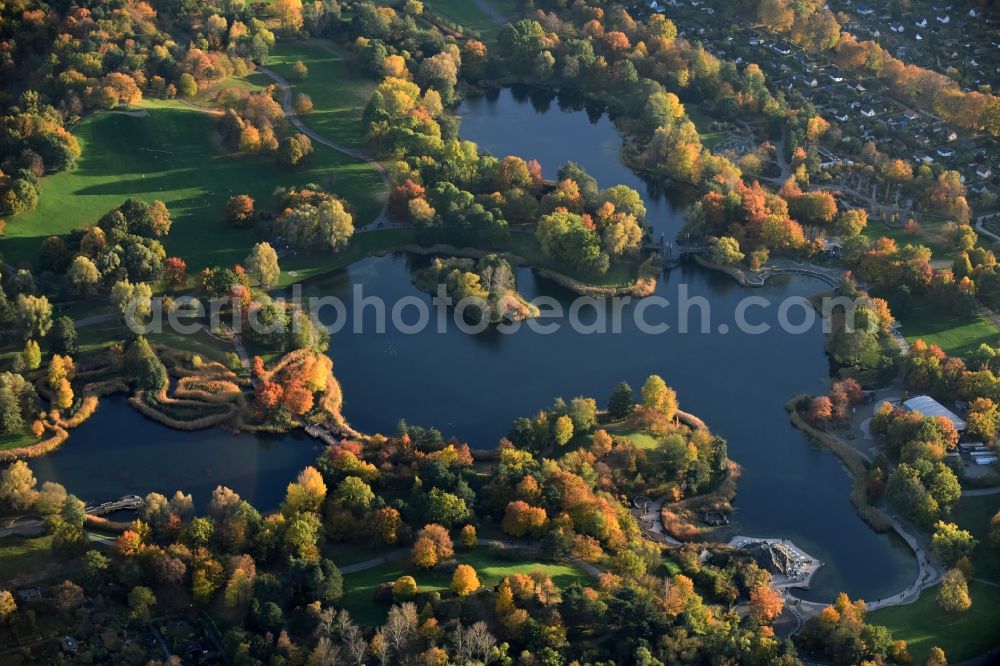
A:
{"points": [[357, 153], [491, 11], [94, 320], [982, 229]]}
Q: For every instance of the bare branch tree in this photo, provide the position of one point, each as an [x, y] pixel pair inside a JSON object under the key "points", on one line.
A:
{"points": [[480, 641]]}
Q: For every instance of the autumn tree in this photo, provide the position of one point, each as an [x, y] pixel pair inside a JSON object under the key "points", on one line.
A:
{"points": [[297, 399], [520, 519], [464, 581], [306, 493], [404, 588], [174, 273], [240, 210], [953, 594], [303, 104], [562, 430], [433, 545], [468, 536], [68, 596], [658, 397], [262, 263], [384, 524], [936, 657], [766, 603], [17, 486], [8, 606]]}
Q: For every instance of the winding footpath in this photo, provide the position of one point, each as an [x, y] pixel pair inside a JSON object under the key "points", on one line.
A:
{"points": [[357, 153]]}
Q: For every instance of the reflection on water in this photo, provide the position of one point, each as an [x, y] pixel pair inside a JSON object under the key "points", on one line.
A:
{"points": [[473, 386], [119, 452]]}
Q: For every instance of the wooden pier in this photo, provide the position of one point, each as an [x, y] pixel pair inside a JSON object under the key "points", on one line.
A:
{"points": [[126, 503]]}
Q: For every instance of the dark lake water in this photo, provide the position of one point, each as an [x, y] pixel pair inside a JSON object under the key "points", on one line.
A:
{"points": [[473, 386], [119, 451]]}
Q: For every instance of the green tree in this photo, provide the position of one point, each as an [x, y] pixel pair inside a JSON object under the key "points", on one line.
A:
{"points": [[187, 86], [446, 508], [951, 543], [34, 315], [83, 275], [32, 355], [140, 602], [63, 337], [354, 494], [726, 251], [144, 367], [134, 302], [621, 402]]}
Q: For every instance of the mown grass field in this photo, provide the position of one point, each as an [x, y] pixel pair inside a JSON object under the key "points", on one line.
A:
{"points": [[19, 555], [957, 336], [491, 568], [339, 94], [172, 155], [926, 235], [641, 439], [974, 513], [468, 14], [16, 440], [961, 635]]}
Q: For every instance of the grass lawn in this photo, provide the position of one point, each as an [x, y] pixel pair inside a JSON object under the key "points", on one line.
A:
{"points": [[957, 336], [974, 513], [702, 121], [641, 439], [961, 635], [925, 236], [360, 587], [19, 555], [17, 440], [338, 93], [171, 155], [344, 554], [468, 14]]}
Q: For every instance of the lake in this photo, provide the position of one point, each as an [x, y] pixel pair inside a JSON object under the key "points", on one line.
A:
{"points": [[472, 386]]}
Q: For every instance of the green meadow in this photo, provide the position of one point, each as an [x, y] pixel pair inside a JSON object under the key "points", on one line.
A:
{"points": [[172, 153]]}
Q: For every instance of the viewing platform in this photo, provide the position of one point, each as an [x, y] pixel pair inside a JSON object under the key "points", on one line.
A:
{"points": [[126, 503], [789, 565]]}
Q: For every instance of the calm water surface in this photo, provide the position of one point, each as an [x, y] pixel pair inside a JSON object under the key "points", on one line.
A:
{"points": [[473, 386]]}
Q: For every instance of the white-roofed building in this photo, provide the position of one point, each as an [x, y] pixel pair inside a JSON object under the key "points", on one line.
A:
{"points": [[928, 406]]}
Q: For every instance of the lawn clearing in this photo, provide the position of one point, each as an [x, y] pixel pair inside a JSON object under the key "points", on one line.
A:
{"points": [[641, 439], [171, 155], [957, 336], [973, 513], [492, 568], [17, 440], [926, 236], [339, 94], [19, 555], [961, 635]]}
